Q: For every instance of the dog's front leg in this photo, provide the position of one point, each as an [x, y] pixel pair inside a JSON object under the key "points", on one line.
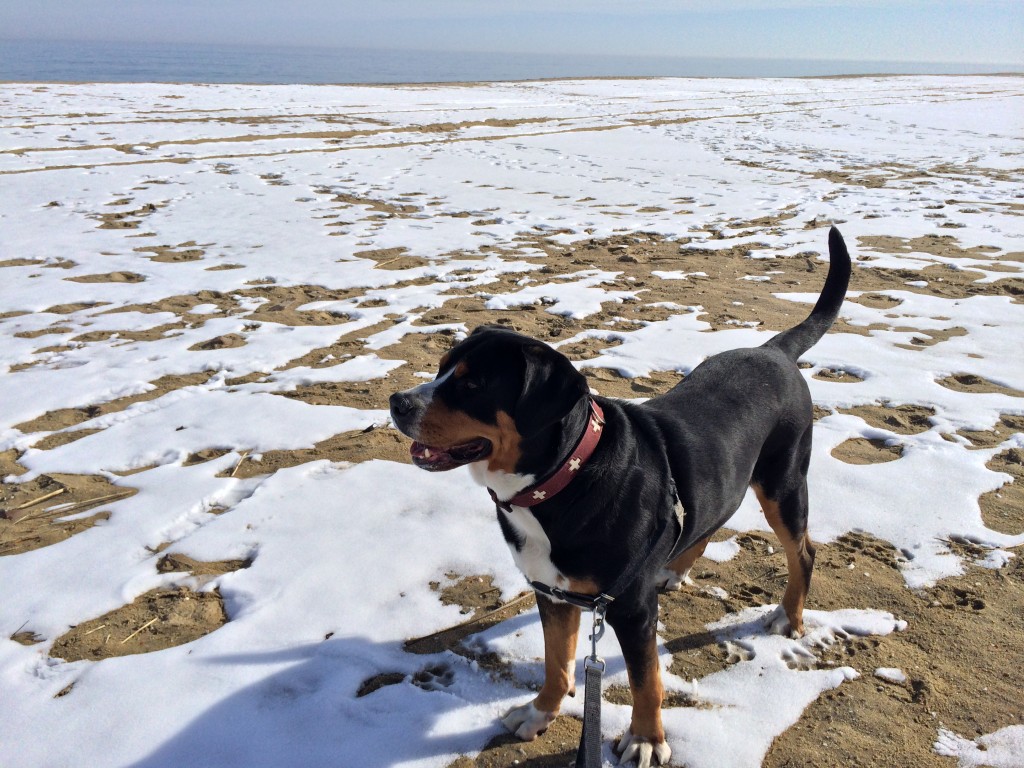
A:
{"points": [[561, 623], [644, 742]]}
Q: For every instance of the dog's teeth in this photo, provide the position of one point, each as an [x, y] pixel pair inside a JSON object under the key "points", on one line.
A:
{"points": [[426, 453]]}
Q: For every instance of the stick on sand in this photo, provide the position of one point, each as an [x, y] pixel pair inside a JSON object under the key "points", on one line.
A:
{"points": [[40, 500], [133, 634], [241, 458]]}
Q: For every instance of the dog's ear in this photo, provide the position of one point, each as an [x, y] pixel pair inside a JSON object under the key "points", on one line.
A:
{"points": [[551, 388]]}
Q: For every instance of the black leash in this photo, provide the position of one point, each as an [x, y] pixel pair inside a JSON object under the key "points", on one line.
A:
{"points": [[589, 753]]}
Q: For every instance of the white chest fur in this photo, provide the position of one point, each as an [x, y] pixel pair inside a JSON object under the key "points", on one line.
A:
{"points": [[534, 556]]}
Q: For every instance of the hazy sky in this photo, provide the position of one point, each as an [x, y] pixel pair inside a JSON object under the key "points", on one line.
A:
{"points": [[976, 31]]}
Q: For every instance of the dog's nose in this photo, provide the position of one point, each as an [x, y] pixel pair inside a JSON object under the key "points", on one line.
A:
{"points": [[401, 404]]}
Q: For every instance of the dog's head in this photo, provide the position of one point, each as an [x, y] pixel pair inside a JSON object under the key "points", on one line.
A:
{"points": [[492, 391]]}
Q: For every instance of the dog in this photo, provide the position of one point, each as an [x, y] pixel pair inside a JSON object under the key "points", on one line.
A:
{"points": [[592, 492]]}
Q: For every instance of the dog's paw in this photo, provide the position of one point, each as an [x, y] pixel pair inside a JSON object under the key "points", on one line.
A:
{"points": [[527, 722], [777, 623], [646, 752], [670, 581]]}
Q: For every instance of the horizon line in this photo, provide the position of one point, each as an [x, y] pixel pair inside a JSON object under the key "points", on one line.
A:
{"points": [[1011, 66]]}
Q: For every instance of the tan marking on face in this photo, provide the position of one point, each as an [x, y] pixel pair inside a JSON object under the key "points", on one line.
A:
{"points": [[442, 427], [461, 369], [647, 689], [561, 623], [799, 561]]}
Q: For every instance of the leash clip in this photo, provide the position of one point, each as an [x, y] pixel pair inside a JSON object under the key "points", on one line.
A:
{"points": [[593, 660]]}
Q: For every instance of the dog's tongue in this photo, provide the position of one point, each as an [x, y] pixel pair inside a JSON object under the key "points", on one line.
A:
{"points": [[442, 459]]}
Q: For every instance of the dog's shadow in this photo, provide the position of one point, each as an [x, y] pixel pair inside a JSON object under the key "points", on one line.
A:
{"points": [[506, 749], [329, 704], [691, 642], [316, 711]]}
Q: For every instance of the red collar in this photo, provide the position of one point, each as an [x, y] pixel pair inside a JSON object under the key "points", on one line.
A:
{"points": [[554, 483]]}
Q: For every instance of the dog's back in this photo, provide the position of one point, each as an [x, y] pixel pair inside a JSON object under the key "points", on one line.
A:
{"points": [[744, 416]]}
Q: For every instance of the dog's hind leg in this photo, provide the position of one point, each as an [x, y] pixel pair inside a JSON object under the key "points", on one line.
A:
{"points": [[677, 572], [561, 623], [787, 515]]}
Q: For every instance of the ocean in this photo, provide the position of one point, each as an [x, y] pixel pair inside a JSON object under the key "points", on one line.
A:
{"points": [[90, 61]]}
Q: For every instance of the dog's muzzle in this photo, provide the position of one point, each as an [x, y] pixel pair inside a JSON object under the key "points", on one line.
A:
{"points": [[405, 410]]}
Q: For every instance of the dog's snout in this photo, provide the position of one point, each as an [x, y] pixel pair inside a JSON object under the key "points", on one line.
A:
{"points": [[405, 411], [401, 404]]}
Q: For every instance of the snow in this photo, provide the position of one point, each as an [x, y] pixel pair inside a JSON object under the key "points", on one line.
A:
{"points": [[722, 551], [1002, 749], [346, 552], [891, 674], [579, 298]]}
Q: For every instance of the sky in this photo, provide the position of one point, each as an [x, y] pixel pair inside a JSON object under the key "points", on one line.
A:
{"points": [[978, 31]]}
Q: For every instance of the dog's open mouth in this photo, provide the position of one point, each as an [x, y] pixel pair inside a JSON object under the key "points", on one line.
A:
{"points": [[443, 459]]}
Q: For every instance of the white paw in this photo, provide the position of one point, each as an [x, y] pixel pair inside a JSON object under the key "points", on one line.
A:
{"points": [[669, 581], [777, 623], [527, 722], [642, 750]]}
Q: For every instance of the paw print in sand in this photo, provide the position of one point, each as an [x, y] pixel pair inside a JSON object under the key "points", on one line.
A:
{"points": [[751, 595], [798, 657], [735, 652], [860, 543], [434, 677]]}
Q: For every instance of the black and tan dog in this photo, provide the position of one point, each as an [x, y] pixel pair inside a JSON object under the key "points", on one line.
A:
{"points": [[578, 512]]}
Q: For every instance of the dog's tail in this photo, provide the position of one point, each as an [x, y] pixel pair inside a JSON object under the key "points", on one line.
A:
{"points": [[802, 337]]}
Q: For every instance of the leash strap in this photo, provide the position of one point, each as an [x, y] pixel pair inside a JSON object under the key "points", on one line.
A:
{"points": [[589, 753], [586, 602]]}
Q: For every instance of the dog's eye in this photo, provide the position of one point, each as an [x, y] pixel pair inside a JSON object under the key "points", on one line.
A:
{"points": [[471, 384]]}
